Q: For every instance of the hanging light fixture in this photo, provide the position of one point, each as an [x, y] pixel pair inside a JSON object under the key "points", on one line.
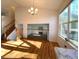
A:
{"points": [[33, 10]]}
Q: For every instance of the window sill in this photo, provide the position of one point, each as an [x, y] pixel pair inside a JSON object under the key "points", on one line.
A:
{"points": [[70, 42], [74, 42]]}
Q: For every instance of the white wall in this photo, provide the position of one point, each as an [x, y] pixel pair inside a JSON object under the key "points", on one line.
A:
{"points": [[43, 17]]}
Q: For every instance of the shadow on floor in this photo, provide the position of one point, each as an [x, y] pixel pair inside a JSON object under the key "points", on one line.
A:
{"points": [[46, 50]]}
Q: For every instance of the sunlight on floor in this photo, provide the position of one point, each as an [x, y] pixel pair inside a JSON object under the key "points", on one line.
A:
{"points": [[35, 43], [15, 42], [4, 51], [24, 44], [18, 54], [28, 49], [18, 39], [19, 48], [8, 44]]}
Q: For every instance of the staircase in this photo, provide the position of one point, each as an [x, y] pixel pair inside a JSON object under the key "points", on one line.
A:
{"points": [[7, 30]]}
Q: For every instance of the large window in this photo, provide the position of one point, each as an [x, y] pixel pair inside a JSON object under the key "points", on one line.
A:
{"points": [[63, 23], [69, 22], [74, 20]]}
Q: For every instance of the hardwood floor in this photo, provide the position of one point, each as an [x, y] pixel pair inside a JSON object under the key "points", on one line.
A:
{"points": [[28, 49]]}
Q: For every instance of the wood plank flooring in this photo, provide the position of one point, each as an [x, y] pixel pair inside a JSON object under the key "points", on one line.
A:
{"points": [[28, 49]]}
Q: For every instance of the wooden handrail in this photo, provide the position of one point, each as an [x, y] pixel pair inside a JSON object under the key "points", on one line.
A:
{"points": [[9, 28]]}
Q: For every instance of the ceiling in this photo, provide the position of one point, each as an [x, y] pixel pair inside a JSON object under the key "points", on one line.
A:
{"points": [[54, 5]]}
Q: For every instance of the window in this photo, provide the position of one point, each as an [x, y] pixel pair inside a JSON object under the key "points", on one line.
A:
{"points": [[68, 21], [64, 23], [74, 20]]}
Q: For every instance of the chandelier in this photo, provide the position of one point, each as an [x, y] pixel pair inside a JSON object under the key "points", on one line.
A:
{"points": [[32, 10]]}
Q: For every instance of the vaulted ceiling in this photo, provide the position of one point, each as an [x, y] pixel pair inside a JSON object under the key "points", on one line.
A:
{"points": [[53, 5]]}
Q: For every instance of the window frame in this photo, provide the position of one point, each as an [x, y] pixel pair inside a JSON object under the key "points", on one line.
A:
{"points": [[68, 25]]}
